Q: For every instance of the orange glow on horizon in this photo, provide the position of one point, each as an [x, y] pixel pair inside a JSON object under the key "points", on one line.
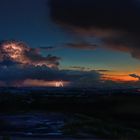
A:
{"points": [[119, 78]]}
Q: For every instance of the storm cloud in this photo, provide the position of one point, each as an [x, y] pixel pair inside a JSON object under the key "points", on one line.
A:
{"points": [[20, 64], [115, 23], [19, 52], [18, 73]]}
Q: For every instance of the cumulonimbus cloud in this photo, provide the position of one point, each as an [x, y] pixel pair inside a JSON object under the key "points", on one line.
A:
{"points": [[19, 52], [19, 73], [20, 64], [115, 23]]}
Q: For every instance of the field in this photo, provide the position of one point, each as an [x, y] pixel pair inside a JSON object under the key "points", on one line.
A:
{"points": [[70, 113]]}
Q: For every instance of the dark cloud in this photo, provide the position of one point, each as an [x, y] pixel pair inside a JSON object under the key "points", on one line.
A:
{"points": [[17, 51], [19, 63], [47, 48], [103, 70], [82, 46], [19, 72], [116, 23], [84, 78], [11, 73], [135, 76], [118, 14], [79, 68], [82, 68]]}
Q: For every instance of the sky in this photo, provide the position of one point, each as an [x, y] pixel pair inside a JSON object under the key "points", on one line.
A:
{"points": [[77, 42]]}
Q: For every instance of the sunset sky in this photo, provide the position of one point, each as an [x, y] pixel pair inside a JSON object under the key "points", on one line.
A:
{"points": [[78, 42]]}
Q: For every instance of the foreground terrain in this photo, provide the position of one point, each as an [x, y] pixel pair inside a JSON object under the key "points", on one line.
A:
{"points": [[70, 113]]}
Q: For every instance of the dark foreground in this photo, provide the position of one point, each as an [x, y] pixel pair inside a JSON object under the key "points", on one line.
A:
{"points": [[70, 114], [21, 138]]}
